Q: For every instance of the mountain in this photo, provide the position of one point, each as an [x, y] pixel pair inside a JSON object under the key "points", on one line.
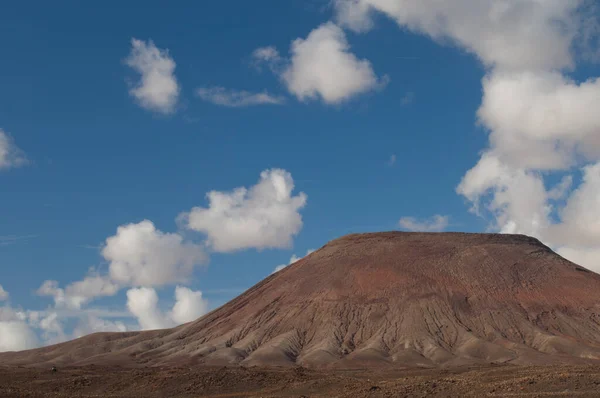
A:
{"points": [[390, 299]]}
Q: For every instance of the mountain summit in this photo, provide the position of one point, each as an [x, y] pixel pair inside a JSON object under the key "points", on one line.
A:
{"points": [[382, 299]]}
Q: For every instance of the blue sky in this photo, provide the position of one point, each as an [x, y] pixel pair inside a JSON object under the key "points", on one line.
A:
{"points": [[382, 116]]}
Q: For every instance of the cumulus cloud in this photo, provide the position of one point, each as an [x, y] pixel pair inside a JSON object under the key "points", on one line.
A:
{"points": [[580, 217], [93, 324], [436, 223], [515, 197], [3, 294], [189, 305], [15, 333], [266, 215], [90, 287], [157, 89], [321, 66], [16, 336], [539, 119], [10, 155], [138, 255], [52, 329], [78, 293], [143, 304], [519, 34], [237, 98], [141, 255], [27, 329], [589, 257], [293, 259], [561, 189], [51, 289]]}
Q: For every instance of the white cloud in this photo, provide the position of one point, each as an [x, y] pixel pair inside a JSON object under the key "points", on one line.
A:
{"points": [[269, 56], [189, 305], [518, 197], [78, 293], [237, 98], [15, 333], [51, 324], [52, 329], [263, 216], [157, 90], [93, 324], [560, 190], [16, 336], [540, 121], [588, 257], [436, 223], [293, 259], [584, 256], [141, 255], [10, 155], [3, 294], [68, 303], [90, 287], [518, 34], [143, 304], [266, 54], [580, 217], [322, 66]]}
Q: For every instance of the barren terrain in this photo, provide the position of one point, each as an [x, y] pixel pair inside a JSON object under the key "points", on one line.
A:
{"points": [[385, 302], [490, 381]]}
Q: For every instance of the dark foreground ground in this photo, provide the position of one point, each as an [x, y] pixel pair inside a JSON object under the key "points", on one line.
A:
{"points": [[498, 381]]}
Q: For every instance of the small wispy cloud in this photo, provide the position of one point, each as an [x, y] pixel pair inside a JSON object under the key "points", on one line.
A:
{"points": [[407, 99], [6, 240], [267, 56], [436, 223], [392, 160], [237, 98], [91, 247]]}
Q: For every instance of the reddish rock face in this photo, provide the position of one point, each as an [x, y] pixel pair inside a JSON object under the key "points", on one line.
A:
{"points": [[386, 299]]}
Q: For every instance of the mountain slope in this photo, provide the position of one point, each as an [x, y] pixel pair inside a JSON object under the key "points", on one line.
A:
{"points": [[383, 299]]}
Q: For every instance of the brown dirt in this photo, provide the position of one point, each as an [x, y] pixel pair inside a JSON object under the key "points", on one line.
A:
{"points": [[491, 381], [384, 301]]}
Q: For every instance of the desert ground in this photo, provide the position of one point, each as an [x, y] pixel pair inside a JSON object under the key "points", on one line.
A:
{"points": [[487, 381]]}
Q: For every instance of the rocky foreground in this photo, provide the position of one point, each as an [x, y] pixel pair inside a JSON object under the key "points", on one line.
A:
{"points": [[495, 381]]}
